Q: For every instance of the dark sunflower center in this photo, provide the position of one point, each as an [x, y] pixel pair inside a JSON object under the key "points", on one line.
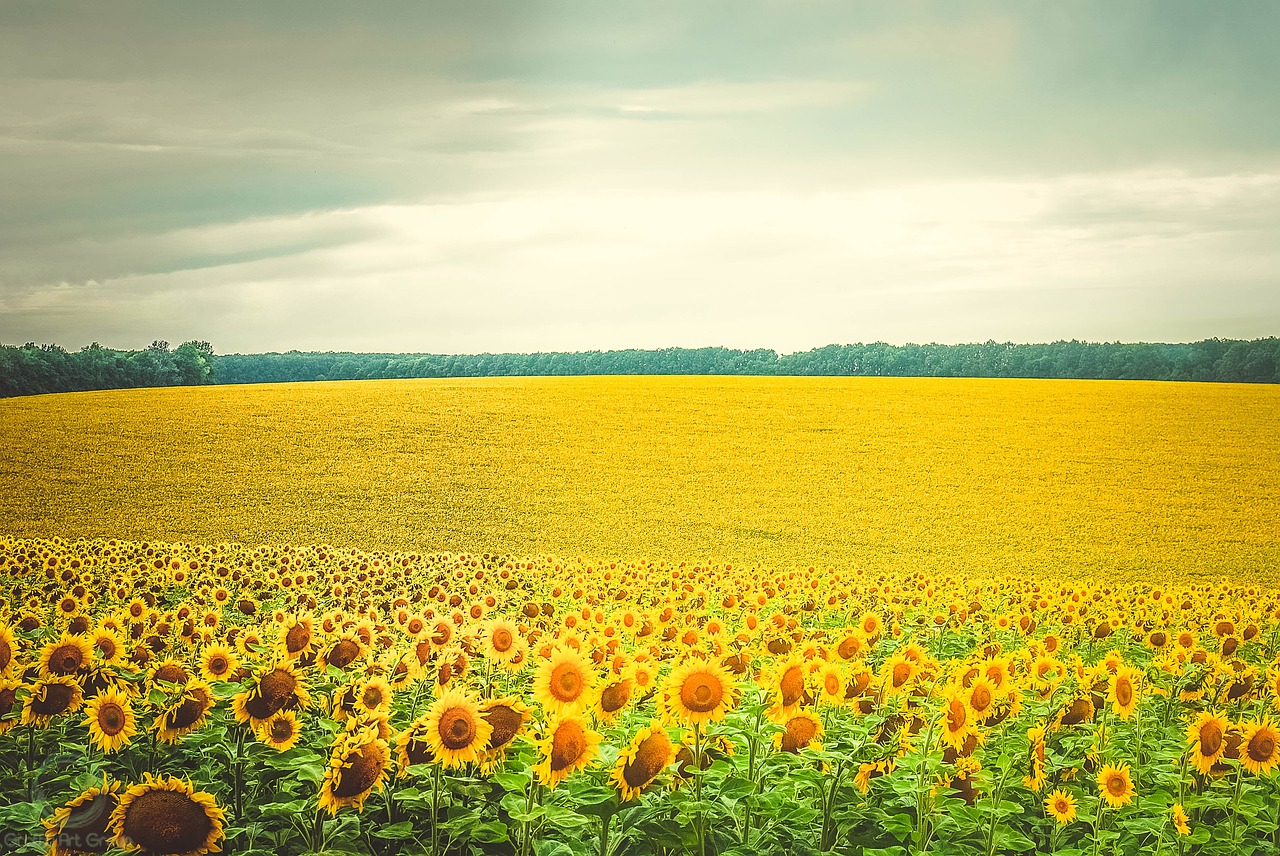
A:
{"points": [[566, 682], [86, 828], [615, 696], [981, 699], [277, 686], [166, 822], [344, 653], [567, 746], [111, 719], [189, 712], [372, 697], [171, 673], [1115, 784], [1124, 692], [217, 664], [792, 686], [651, 756], [701, 693], [297, 638], [457, 728], [1263, 746], [366, 767], [505, 722], [66, 659], [1210, 739], [502, 640], [57, 699], [281, 730]]}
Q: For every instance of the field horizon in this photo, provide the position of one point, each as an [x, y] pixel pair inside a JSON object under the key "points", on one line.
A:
{"points": [[890, 474]]}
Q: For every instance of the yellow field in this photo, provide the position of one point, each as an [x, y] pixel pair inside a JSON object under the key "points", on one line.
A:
{"points": [[894, 474]]}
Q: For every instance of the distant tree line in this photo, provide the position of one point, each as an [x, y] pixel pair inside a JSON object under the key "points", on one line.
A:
{"points": [[35, 368]]}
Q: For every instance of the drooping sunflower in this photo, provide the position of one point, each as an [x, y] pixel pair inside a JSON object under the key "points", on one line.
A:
{"points": [[357, 766], [344, 650], [66, 655], [1258, 746], [297, 636], [280, 731], [8, 650], [111, 721], [508, 716], [218, 663], [273, 688], [563, 684], [613, 698], [567, 745], [1123, 691], [167, 816], [455, 730], [10, 711], [648, 754], [698, 691], [1061, 806], [1207, 739], [82, 826], [1115, 785], [412, 746], [186, 714], [800, 730], [51, 697]]}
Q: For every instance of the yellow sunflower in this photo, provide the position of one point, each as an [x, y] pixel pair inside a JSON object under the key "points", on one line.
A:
{"points": [[567, 745], [186, 714], [613, 698], [698, 691], [455, 730], [218, 663], [8, 650], [1207, 739], [111, 721], [1180, 819], [563, 683], [51, 697], [1258, 749], [800, 730], [357, 766], [958, 721], [10, 711], [503, 642], [1123, 691], [1061, 806], [508, 716], [66, 655], [83, 824], [648, 754], [280, 731], [1115, 785], [169, 816]]}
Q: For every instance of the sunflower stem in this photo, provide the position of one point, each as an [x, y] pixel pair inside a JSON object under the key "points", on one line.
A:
{"points": [[435, 811], [697, 788], [604, 833], [1235, 801]]}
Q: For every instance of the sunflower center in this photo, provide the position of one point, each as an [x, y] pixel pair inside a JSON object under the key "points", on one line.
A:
{"points": [[276, 687], [651, 757], [957, 715], [297, 638], [701, 692], [832, 684], [366, 767], [567, 746], [189, 712], [6, 654], [217, 664], [57, 699], [502, 640], [111, 719], [1116, 785], [791, 686], [505, 721], [161, 821], [86, 828], [457, 728], [566, 682], [1263, 746], [1124, 692], [1210, 739], [343, 653], [901, 674], [281, 730], [66, 659], [171, 673], [615, 696], [800, 730], [981, 699]]}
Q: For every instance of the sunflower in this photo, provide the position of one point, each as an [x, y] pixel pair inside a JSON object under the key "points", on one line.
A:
{"points": [[568, 745], [279, 731], [1061, 806], [218, 663], [1207, 736], [786, 683], [1180, 819], [167, 815], [1258, 747], [1123, 691], [66, 655], [563, 683], [51, 697], [648, 754], [1115, 785], [508, 716], [9, 708], [168, 671], [503, 642], [455, 730], [271, 689], [613, 698], [898, 672], [982, 699], [111, 721], [297, 636], [800, 730], [357, 765], [8, 650], [957, 720], [373, 697], [697, 692], [107, 646], [187, 713], [344, 650], [82, 825], [831, 684]]}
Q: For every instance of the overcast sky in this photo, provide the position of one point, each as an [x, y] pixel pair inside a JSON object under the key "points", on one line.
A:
{"points": [[525, 176]]}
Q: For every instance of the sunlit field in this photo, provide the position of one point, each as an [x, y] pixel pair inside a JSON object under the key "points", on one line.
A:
{"points": [[1144, 480]]}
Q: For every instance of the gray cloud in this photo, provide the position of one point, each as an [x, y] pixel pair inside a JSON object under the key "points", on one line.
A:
{"points": [[492, 176]]}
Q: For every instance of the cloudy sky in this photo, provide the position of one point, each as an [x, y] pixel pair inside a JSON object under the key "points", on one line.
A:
{"points": [[524, 176]]}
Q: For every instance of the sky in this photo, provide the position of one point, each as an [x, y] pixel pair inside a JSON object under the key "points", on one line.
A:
{"points": [[555, 176]]}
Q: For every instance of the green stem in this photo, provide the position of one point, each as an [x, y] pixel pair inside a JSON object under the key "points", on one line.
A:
{"points": [[697, 789], [435, 811], [604, 834]]}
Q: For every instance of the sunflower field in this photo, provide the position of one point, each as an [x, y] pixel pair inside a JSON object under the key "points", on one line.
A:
{"points": [[167, 698]]}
